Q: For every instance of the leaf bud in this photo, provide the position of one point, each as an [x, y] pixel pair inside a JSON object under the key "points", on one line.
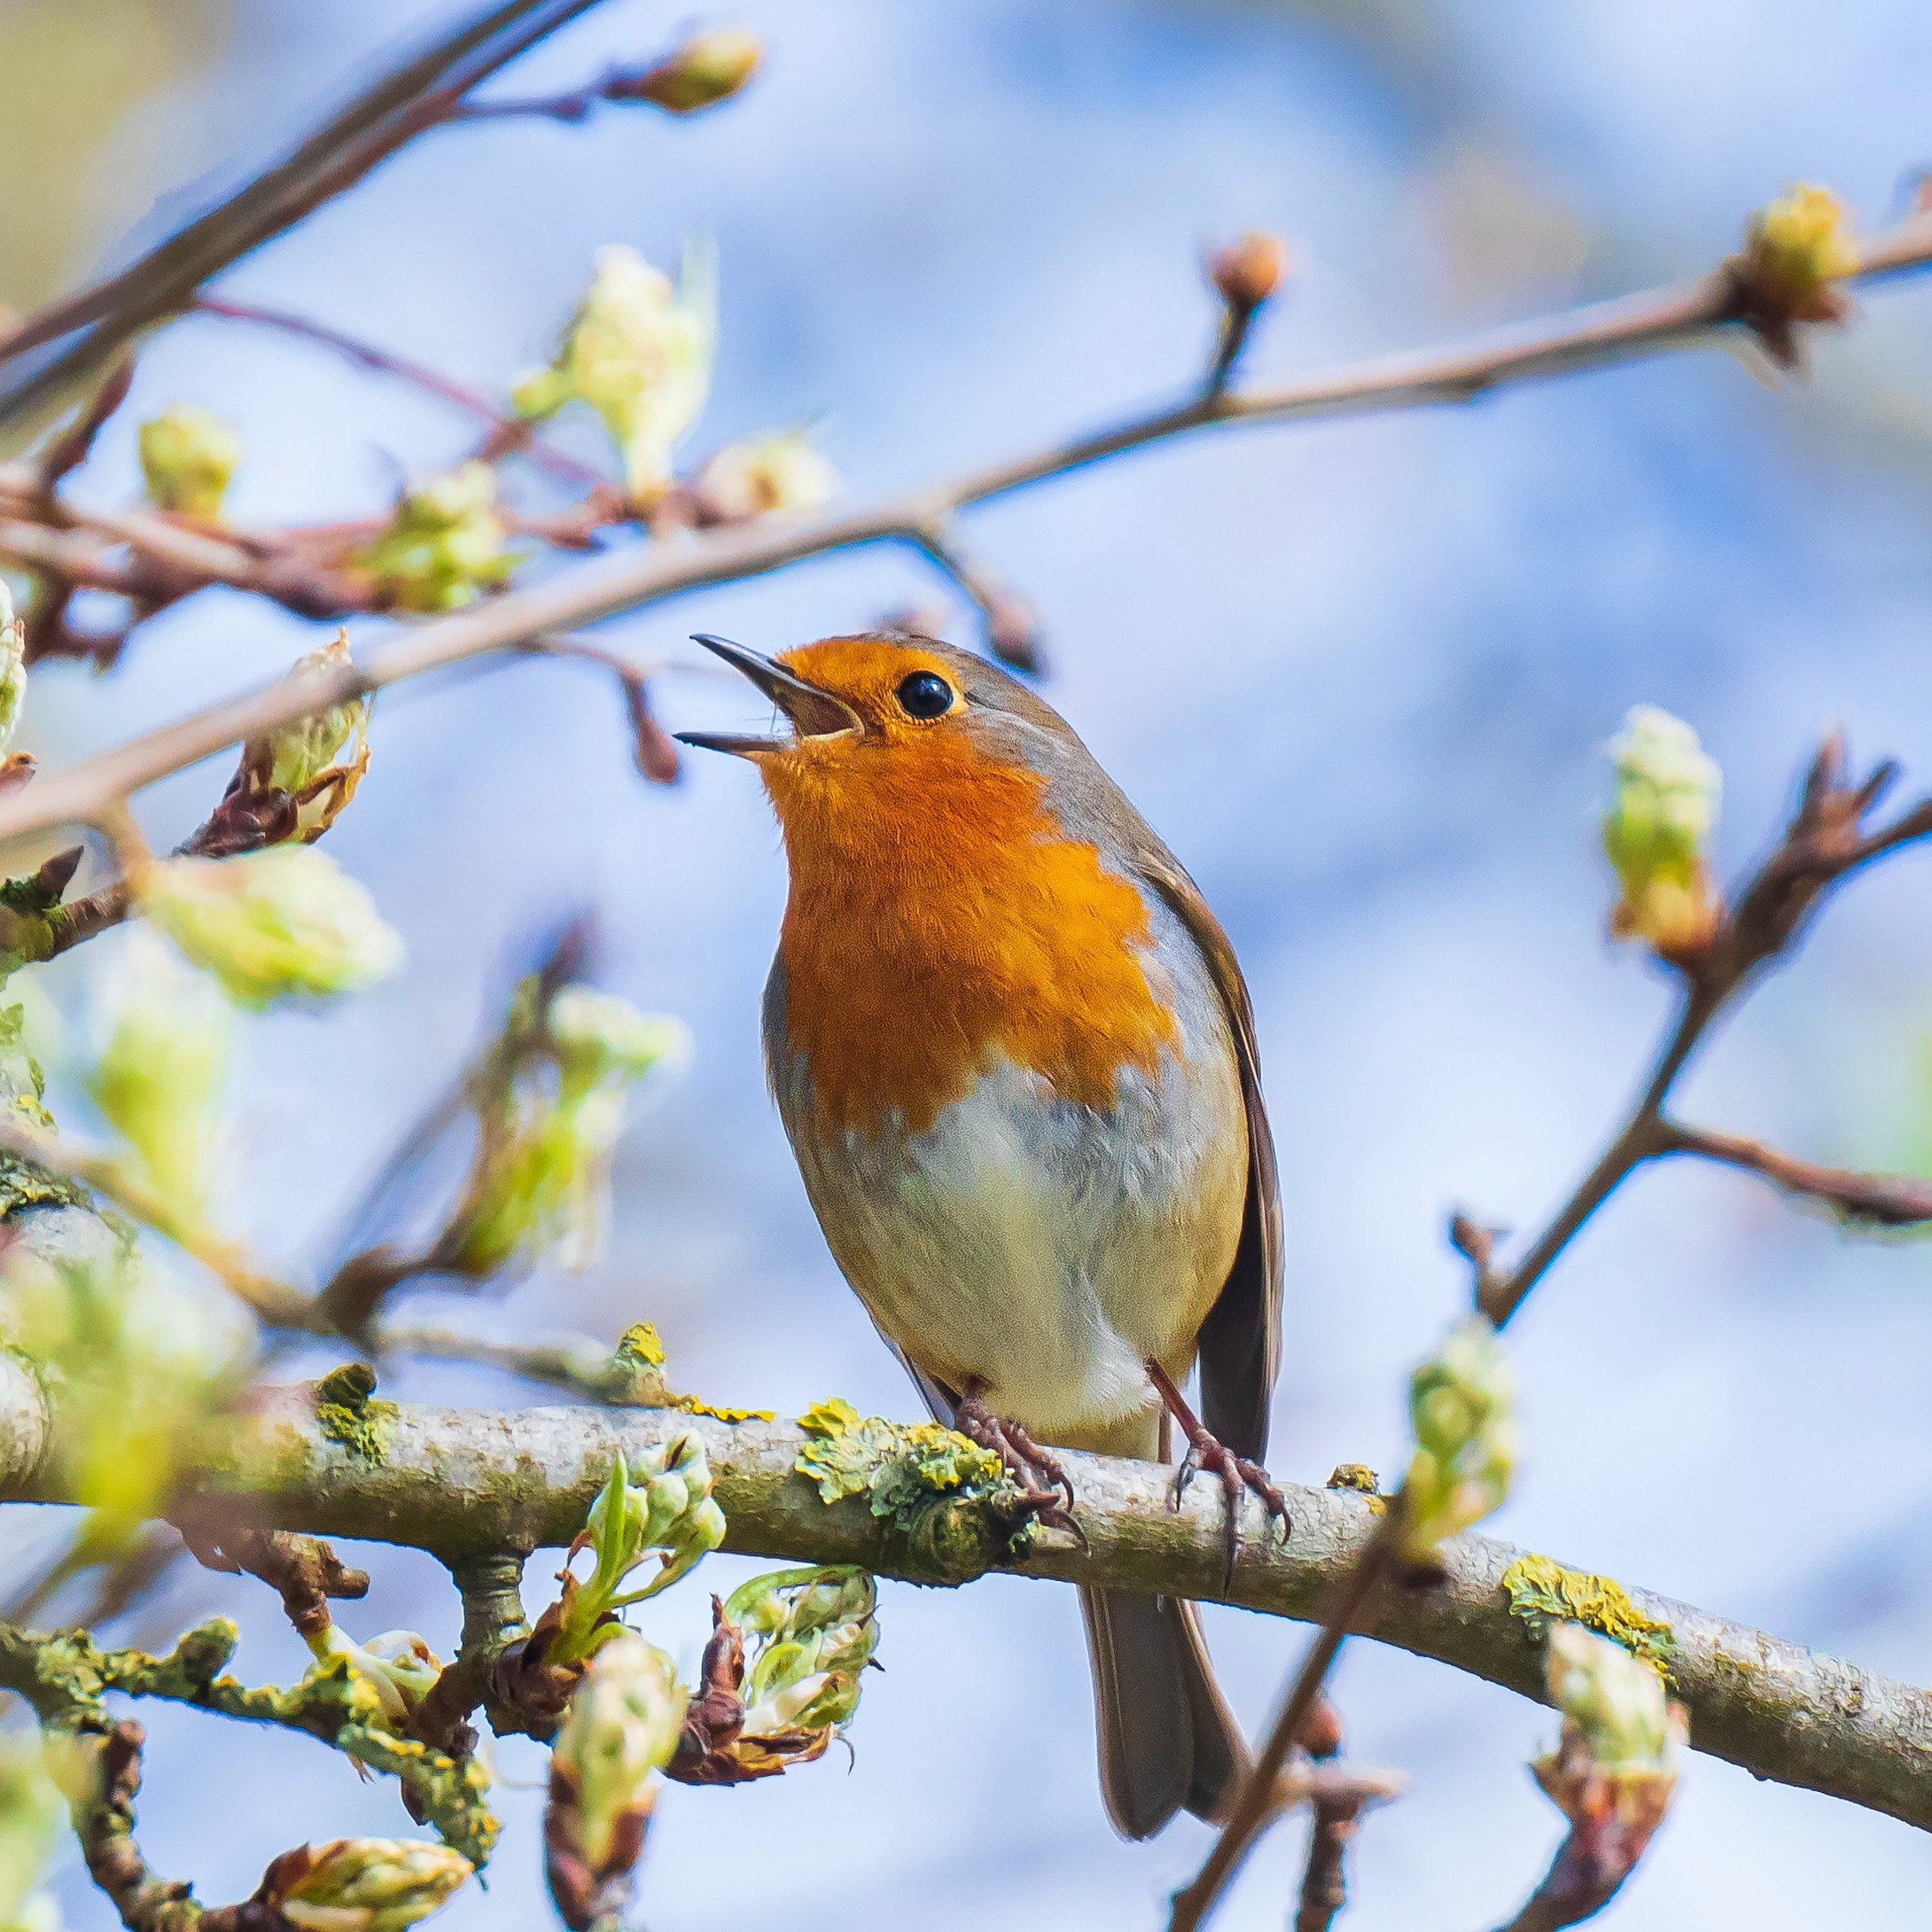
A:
{"points": [[706, 69], [751, 478], [363, 1884], [1462, 1409], [1661, 813], [188, 454], [1247, 272], [1615, 1766], [399, 1666], [443, 546], [12, 668]]}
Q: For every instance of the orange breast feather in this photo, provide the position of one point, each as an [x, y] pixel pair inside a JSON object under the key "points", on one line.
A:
{"points": [[938, 917]]}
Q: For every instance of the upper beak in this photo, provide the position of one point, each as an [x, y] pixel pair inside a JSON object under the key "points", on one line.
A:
{"points": [[813, 714]]}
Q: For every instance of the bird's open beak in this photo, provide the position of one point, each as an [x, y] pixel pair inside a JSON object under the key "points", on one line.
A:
{"points": [[813, 714]]}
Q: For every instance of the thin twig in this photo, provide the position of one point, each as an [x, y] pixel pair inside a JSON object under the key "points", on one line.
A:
{"points": [[367, 355], [1872, 1200], [1591, 337]]}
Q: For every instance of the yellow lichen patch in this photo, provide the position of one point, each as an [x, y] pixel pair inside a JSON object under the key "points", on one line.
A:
{"points": [[1355, 1476], [1542, 1592], [691, 1406]]}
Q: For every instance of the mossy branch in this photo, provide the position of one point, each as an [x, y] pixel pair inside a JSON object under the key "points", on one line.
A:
{"points": [[466, 1483]]}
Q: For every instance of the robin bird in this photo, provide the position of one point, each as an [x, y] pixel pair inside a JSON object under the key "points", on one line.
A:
{"points": [[1016, 1060]]}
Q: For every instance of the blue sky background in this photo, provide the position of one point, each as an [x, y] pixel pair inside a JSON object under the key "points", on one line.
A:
{"points": [[1359, 674]]}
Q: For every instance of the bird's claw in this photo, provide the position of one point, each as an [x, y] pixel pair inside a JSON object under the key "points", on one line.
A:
{"points": [[1038, 1475], [1238, 1474]]}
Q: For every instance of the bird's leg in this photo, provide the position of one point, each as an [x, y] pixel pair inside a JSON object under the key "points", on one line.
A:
{"points": [[1042, 1481], [1204, 1452]]}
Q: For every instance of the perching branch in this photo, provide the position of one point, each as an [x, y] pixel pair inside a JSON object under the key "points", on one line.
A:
{"points": [[1826, 841], [467, 1483], [1593, 337]]}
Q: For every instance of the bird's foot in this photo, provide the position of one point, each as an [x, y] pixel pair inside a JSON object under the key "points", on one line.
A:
{"points": [[1238, 1474], [1042, 1482]]}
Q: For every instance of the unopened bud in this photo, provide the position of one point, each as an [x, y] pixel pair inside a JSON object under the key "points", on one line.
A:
{"points": [[1247, 272], [273, 923], [188, 454], [622, 1726], [1660, 814], [751, 478], [1622, 1737], [443, 546], [1801, 242], [1462, 1409], [319, 759], [363, 1884], [599, 1036], [663, 1506], [704, 71]]}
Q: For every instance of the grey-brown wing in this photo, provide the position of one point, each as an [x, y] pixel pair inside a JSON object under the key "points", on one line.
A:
{"points": [[1241, 1340]]}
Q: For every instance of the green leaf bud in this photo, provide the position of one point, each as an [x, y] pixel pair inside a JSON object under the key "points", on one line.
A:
{"points": [[705, 70], [444, 544], [364, 1884], [1462, 1409], [621, 1729], [1661, 813], [187, 456], [1622, 1739], [817, 1630], [664, 1507], [269, 925], [399, 1666], [639, 353]]}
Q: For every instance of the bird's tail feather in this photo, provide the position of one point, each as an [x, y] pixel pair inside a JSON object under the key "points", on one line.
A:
{"points": [[1167, 1739]]}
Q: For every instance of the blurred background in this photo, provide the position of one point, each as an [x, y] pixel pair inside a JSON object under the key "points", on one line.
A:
{"points": [[1361, 675]]}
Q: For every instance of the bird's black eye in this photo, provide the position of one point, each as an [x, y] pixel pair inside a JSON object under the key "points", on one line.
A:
{"points": [[925, 694]]}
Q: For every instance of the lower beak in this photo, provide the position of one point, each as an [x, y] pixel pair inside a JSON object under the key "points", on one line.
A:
{"points": [[813, 713]]}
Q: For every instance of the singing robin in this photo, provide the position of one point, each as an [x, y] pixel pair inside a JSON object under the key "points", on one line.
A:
{"points": [[1016, 1060]]}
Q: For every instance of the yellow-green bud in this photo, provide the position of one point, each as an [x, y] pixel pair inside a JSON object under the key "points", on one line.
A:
{"points": [[639, 353], [187, 455], [1614, 1699], [1661, 813], [32, 1812], [663, 1506], [817, 1630], [320, 760], [1462, 1408], [367, 1884], [765, 474], [703, 71], [399, 1666], [163, 1068], [12, 668], [443, 546], [621, 1729], [272, 923], [1802, 241]]}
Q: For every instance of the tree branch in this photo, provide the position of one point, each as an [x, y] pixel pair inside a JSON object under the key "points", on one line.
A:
{"points": [[464, 1483], [1593, 337]]}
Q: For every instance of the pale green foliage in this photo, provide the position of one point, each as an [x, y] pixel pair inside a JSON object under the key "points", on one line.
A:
{"points": [[1615, 1700], [639, 353], [12, 668], [373, 1884], [1462, 1409], [1661, 813], [163, 1068], [398, 1665], [140, 1368], [32, 1812], [815, 1630], [444, 543], [188, 454], [23, 1084], [621, 1729], [664, 1507], [272, 923], [765, 474], [541, 1181]]}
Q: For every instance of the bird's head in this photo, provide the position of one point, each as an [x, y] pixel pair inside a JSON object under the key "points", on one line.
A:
{"points": [[893, 728]]}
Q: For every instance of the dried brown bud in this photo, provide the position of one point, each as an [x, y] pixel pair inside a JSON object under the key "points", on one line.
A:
{"points": [[1012, 634], [1247, 272]]}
